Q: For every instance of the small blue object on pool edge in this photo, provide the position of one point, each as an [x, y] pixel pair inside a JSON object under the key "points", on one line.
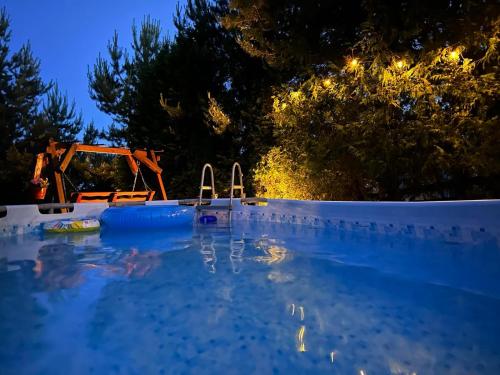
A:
{"points": [[207, 219]]}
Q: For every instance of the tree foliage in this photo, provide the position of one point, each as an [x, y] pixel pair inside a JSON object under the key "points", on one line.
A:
{"points": [[395, 120], [21, 89], [31, 112], [325, 100], [57, 119], [320, 99], [198, 97], [387, 131], [293, 34]]}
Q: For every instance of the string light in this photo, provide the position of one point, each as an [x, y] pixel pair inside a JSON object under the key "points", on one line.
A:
{"points": [[352, 64], [327, 82], [400, 64], [454, 55]]}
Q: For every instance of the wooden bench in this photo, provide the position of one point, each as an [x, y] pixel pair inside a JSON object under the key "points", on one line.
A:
{"points": [[132, 196], [112, 196]]}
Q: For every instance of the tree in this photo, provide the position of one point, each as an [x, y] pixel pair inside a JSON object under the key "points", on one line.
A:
{"points": [[21, 89], [343, 100], [58, 120], [26, 120], [300, 35], [91, 134], [293, 34], [392, 126], [115, 83], [158, 94]]}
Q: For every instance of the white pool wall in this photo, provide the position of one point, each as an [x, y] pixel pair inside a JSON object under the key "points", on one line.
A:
{"points": [[21, 219], [457, 221]]}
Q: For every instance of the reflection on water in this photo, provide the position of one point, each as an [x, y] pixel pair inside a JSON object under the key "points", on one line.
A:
{"points": [[63, 266], [333, 354], [280, 277], [301, 345], [273, 254], [300, 309], [207, 251], [236, 255], [137, 264], [263, 250], [301, 331], [58, 267], [148, 305]]}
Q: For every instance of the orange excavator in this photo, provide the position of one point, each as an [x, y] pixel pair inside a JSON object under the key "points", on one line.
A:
{"points": [[51, 165]]}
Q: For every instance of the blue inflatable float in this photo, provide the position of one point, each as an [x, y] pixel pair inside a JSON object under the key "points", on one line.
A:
{"points": [[147, 217]]}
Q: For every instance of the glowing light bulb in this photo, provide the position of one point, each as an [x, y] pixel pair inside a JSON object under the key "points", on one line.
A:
{"points": [[354, 63], [327, 82], [400, 64], [454, 55]]}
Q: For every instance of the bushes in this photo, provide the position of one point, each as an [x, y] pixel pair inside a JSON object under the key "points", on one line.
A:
{"points": [[384, 127]]}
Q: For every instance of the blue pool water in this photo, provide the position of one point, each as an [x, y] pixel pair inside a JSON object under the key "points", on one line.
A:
{"points": [[254, 299]]}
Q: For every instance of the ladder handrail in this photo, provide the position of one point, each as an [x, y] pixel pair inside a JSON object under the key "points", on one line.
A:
{"points": [[209, 187], [237, 187]]}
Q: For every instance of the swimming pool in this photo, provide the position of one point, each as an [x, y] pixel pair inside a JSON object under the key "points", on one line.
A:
{"points": [[262, 296]]}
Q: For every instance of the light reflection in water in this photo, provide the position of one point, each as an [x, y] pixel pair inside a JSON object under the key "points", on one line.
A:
{"points": [[63, 266], [208, 252], [301, 345], [328, 343], [332, 356], [236, 257], [57, 267], [139, 264], [262, 243], [300, 335], [301, 310], [398, 368], [273, 255]]}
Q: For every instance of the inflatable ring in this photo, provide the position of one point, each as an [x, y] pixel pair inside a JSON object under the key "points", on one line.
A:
{"points": [[142, 218]]}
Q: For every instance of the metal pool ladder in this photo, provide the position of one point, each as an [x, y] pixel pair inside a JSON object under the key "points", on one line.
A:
{"points": [[235, 173], [204, 187], [236, 187]]}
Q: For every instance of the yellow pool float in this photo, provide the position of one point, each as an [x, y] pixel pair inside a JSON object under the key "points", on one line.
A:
{"points": [[72, 226]]}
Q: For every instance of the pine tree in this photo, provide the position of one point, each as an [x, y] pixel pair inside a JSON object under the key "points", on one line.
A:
{"points": [[158, 94], [21, 89], [58, 119], [91, 134], [115, 83], [8, 128], [26, 120]]}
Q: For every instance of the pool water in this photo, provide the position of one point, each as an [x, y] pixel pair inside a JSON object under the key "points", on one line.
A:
{"points": [[254, 299]]}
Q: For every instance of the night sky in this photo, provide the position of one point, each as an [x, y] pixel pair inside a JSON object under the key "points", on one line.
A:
{"points": [[68, 35]]}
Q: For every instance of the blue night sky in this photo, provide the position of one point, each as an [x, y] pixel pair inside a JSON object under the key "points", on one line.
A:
{"points": [[67, 36]]}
